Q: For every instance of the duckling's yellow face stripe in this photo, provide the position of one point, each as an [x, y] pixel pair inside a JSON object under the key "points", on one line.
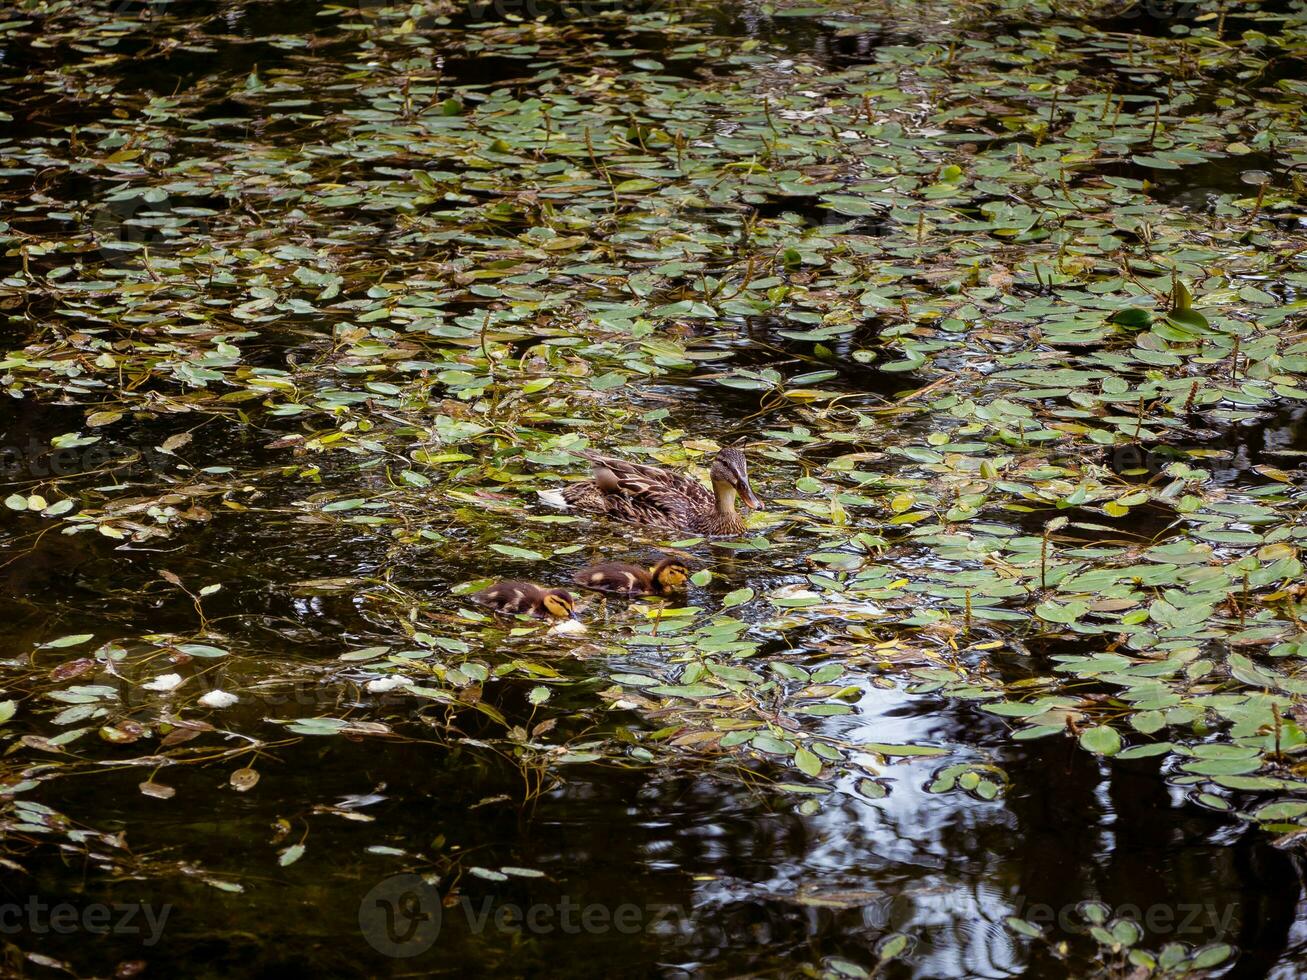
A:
{"points": [[673, 576], [557, 606]]}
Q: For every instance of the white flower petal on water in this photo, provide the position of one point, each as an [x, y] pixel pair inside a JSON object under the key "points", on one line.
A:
{"points": [[383, 684], [572, 627], [164, 682], [219, 699]]}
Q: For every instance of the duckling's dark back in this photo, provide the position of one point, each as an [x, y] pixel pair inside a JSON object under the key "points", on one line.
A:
{"points": [[511, 596], [613, 576]]}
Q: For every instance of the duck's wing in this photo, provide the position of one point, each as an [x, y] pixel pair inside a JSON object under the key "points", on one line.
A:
{"points": [[665, 489]]}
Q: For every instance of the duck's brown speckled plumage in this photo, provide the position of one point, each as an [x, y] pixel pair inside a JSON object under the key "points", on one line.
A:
{"points": [[662, 498], [666, 577], [514, 598]]}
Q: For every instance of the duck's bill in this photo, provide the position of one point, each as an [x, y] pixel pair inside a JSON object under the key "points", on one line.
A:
{"points": [[749, 497]]}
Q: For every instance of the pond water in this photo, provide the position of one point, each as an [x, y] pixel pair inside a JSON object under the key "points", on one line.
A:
{"points": [[305, 301]]}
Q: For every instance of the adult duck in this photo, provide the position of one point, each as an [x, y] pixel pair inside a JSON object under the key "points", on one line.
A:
{"points": [[661, 498]]}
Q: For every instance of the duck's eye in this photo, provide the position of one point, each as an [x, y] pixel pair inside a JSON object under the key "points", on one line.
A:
{"points": [[676, 575]]}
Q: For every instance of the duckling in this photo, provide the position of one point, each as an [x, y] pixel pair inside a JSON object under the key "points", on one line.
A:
{"points": [[665, 499], [669, 575], [527, 599]]}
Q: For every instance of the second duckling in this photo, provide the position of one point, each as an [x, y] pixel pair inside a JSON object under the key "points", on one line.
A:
{"points": [[668, 576], [527, 599]]}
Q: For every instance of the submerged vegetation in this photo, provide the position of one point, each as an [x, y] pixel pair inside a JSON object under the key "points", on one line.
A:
{"points": [[307, 302]]}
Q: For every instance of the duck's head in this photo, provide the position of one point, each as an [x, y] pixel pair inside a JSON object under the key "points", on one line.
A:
{"points": [[669, 575], [730, 476], [559, 604]]}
